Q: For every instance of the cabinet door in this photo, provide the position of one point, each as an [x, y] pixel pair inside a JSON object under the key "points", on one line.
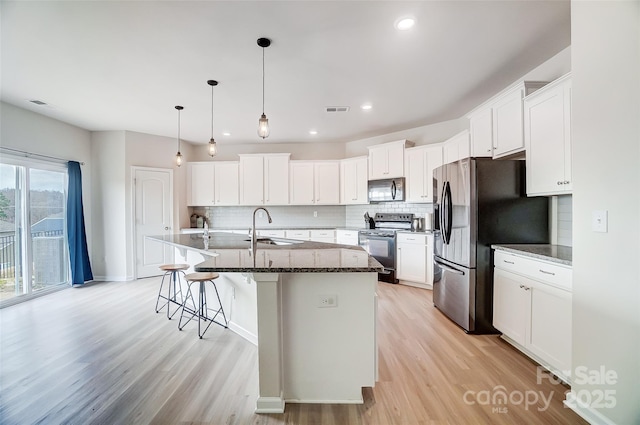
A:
{"points": [[434, 160], [327, 183], [227, 184], [550, 331], [347, 237], [201, 184], [378, 163], [301, 183], [251, 180], [353, 181], [481, 132], [276, 179], [507, 124], [412, 262], [547, 130], [416, 170], [395, 160], [511, 305]]}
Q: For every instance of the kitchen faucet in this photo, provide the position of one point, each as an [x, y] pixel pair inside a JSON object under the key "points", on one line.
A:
{"points": [[253, 227]]}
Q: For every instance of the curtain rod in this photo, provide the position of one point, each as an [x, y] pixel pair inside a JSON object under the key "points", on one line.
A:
{"points": [[30, 154]]}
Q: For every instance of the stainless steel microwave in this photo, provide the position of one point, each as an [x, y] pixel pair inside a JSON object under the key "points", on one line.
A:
{"points": [[386, 190]]}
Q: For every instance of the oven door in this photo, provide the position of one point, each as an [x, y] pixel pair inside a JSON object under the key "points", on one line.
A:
{"points": [[382, 248]]}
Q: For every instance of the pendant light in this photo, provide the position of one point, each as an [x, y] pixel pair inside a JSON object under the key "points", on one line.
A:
{"points": [[179, 155], [263, 122], [213, 149]]}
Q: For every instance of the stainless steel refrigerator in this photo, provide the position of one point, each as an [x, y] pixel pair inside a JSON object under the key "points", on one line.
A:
{"points": [[480, 202]]}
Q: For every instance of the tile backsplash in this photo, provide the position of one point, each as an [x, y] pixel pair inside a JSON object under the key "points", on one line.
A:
{"points": [[564, 220], [239, 217]]}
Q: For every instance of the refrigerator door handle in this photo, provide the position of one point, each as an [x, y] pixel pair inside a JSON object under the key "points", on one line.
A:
{"points": [[448, 268], [447, 213]]}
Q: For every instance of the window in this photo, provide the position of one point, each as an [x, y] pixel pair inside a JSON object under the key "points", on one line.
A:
{"points": [[33, 249]]}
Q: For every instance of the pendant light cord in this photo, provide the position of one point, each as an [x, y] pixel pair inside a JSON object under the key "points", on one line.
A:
{"points": [[178, 130], [263, 81], [212, 111]]}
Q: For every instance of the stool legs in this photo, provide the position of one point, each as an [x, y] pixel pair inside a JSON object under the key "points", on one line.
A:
{"points": [[202, 309], [173, 289]]}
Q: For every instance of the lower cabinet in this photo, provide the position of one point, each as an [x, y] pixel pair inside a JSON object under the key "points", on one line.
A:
{"points": [[415, 258], [534, 312], [347, 237]]}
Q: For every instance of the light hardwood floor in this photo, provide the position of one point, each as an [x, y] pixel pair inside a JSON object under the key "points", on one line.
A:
{"points": [[101, 355]]}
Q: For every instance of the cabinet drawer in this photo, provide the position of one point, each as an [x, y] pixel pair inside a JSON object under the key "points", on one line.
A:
{"points": [[297, 234], [315, 234], [412, 238], [542, 271]]}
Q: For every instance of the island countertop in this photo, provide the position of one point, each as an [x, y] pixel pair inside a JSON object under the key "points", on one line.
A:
{"points": [[230, 253], [553, 253]]}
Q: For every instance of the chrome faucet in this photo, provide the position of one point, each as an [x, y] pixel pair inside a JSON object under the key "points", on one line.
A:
{"points": [[253, 227]]}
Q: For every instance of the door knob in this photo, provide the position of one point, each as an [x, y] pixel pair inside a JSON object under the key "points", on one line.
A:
{"points": [[166, 228]]}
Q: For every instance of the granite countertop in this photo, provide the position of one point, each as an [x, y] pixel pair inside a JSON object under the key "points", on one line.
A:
{"points": [[553, 253], [232, 254], [213, 229]]}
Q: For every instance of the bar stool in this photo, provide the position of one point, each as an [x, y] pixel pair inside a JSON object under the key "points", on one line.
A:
{"points": [[202, 309], [173, 272]]}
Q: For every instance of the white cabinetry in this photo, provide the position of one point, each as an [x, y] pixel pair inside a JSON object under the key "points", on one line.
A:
{"points": [[353, 181], [419, 165], [415, 258], [532, 308], [481, 132], [347, 237], [212, 183], [298, 234], [323, 235], [314, 182], [264, 179], [387, 160], [508, 134], [456, 148], [547, 136]]}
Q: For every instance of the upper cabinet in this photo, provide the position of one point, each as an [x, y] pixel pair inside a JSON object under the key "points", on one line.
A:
{"points": [[496, 127], [353, 181], [508, 134], [547, 135], [314, 182], [419, 165], [481, 132], [212, 183], [456, 148], [387, 160], [264, 179]]}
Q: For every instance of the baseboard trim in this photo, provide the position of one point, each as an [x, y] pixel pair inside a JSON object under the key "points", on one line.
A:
{"points": [[113, 278], [243, 333], [270, 404], [590, 415]]}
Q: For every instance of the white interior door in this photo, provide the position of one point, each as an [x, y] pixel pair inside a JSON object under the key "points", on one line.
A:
{"points": [[153, 216]]}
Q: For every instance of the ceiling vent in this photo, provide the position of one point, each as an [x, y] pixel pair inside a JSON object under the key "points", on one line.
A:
{"points": [[38, 102], [337, 109]]}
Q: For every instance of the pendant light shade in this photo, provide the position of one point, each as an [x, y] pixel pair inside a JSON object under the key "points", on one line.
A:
{"points": [[263, 122], [179, 155], [213, 149]]}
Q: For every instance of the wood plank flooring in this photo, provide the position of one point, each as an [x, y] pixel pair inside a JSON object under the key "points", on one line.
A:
{"points": [[101, 355]]}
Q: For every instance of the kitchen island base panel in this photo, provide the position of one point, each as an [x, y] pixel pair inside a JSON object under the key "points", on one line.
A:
{"points": [[310, 353]]}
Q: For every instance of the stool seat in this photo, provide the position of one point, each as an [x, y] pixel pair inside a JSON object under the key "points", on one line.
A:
{"points": [[174, 290], [202, 276], [174, 267], [202, 312]]}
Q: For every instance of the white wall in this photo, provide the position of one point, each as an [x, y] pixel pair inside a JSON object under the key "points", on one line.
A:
{"points": [[109, 249], [606, 176]]}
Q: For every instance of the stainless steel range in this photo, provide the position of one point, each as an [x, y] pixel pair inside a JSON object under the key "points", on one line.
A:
{"points": [[380, 242]]}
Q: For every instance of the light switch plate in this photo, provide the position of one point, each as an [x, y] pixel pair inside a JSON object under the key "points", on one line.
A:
{"points": [[599, 221]]}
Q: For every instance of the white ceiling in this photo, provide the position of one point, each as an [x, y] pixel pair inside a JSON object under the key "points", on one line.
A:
{"points": [[124, 65]]}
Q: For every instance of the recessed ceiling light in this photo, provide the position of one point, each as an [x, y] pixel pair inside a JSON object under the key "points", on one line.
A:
{"points": [[405, 23], [226, 133], [313, 132], [366, 106]]}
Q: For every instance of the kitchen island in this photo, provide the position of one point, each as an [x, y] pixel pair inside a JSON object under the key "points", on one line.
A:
{"points": [[310, 307]]}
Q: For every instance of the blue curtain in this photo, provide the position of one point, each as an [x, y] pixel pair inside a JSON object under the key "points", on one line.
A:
{"points": [[76, 235]]}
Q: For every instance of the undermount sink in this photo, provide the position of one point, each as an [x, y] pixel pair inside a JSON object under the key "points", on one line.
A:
{"points": [[272, 241]]}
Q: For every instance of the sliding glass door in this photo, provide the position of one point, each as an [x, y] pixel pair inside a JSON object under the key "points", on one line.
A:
{"points": [[33, 248]]}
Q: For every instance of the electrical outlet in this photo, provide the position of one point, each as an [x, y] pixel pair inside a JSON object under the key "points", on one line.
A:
{"points": [[327, 300], [315, 213]]}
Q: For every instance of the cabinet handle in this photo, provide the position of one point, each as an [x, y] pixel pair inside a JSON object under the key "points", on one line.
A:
{"points": [[526, 288], [508, 262], [559, 183], [566, 182], [521, 286], [546, 272]]}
